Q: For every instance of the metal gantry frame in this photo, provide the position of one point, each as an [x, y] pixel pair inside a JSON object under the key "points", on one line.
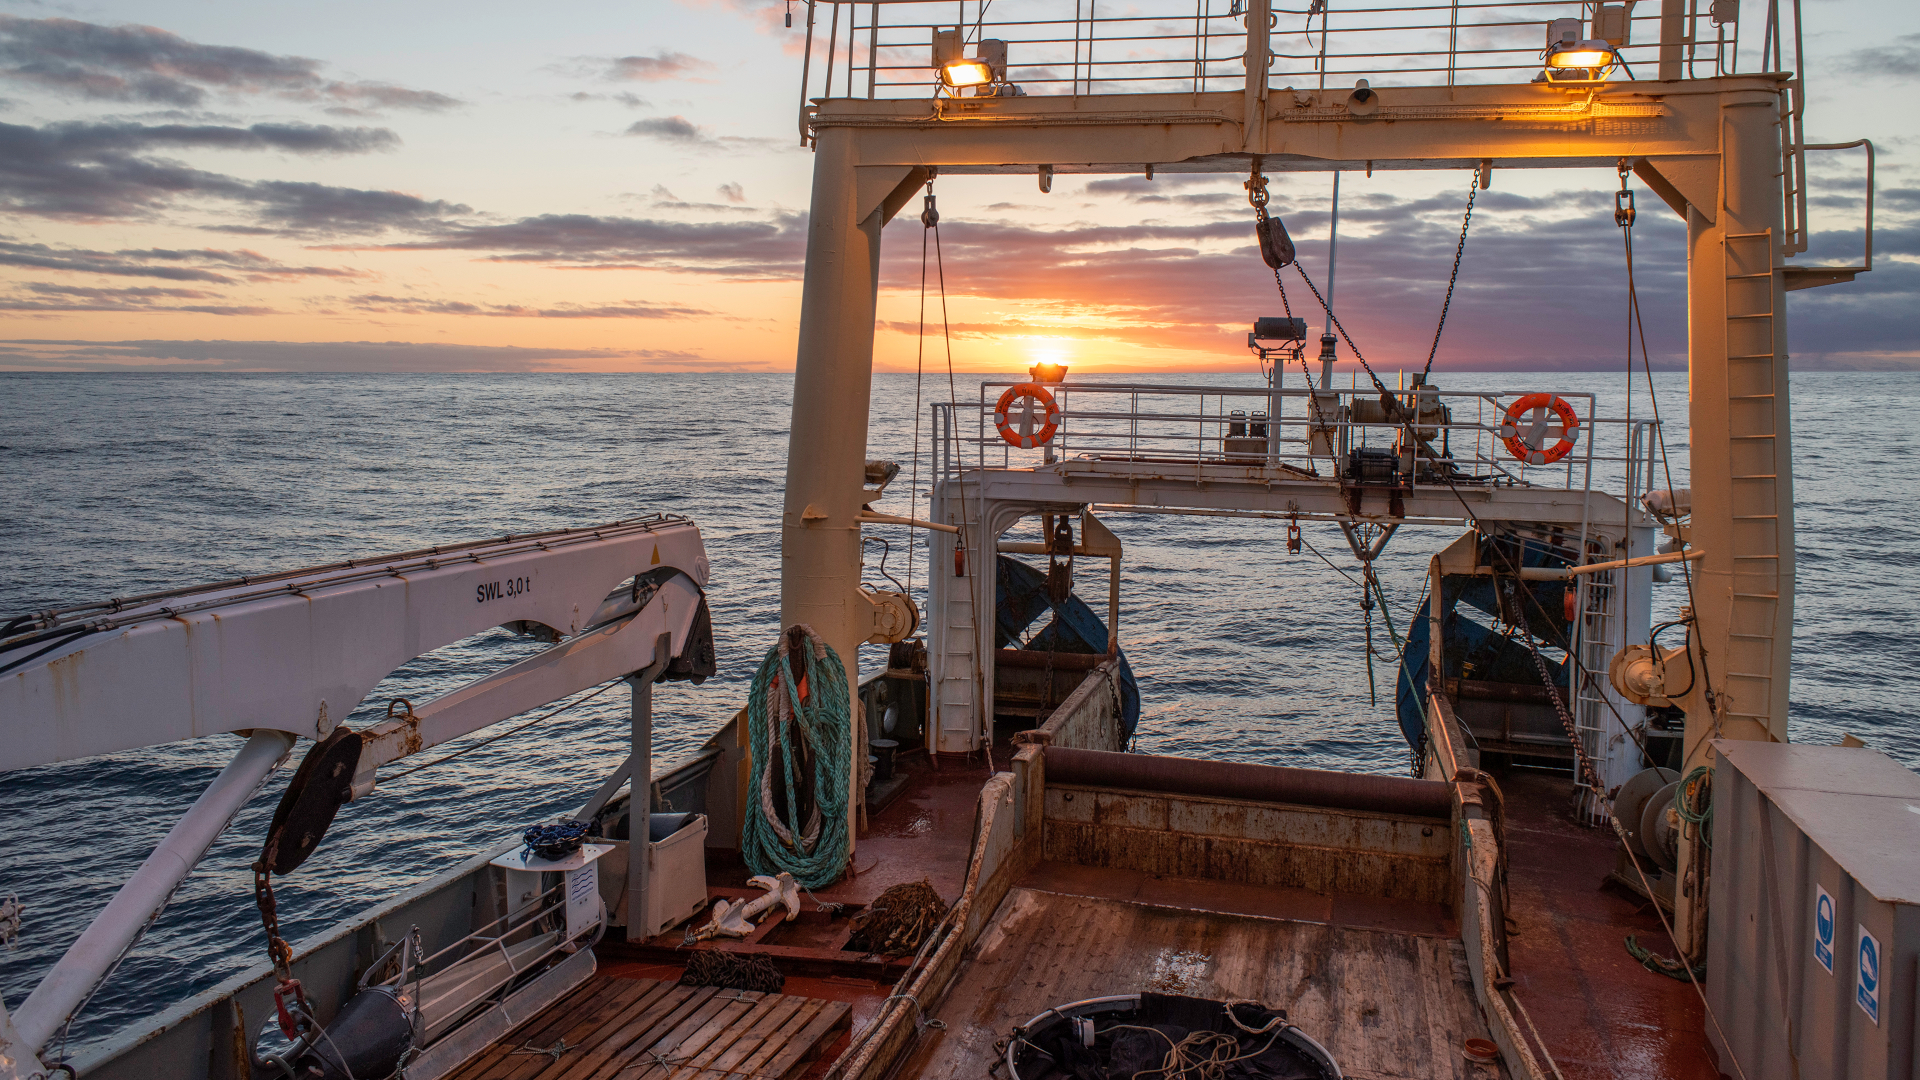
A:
{"points": [[1713, 149]]}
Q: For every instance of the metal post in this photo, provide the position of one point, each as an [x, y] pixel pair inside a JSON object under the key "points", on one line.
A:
{"points": [[1327, 340], [640, 791], [1673, 38], [140, 901], [1258, 56], [832, 391], [1740, 455]]}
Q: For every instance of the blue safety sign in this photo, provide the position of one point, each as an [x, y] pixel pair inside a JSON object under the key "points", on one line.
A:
{"points": [[1867, 991], [1823, 928]]}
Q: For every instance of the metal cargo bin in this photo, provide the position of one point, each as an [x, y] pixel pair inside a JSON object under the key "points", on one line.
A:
{"points": [[1814, 911]]}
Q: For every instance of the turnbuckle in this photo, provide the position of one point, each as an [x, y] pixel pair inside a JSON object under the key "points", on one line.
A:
{"points": [[1623, 210]]}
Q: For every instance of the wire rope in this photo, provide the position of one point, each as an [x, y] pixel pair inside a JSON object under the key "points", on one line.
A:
{"points": [[491, 739]]}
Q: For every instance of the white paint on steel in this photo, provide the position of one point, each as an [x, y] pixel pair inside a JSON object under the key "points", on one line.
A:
{"points": [[140, 900], [299, 651], [617, 648]]}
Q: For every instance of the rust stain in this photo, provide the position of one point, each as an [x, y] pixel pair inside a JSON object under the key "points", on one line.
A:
{"points": [[410, 742], [1250, 862], [242, 1053]]}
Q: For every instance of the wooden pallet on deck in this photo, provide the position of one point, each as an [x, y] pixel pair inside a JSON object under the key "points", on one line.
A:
{"points": [[646, 1029]]}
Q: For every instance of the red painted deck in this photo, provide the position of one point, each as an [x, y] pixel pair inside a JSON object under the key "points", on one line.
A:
{"points": [[1600, 1012]]}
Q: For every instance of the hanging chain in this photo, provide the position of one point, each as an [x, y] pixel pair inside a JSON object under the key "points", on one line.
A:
{"points": [[279, 953], [1566, 719], [1473, 192]]}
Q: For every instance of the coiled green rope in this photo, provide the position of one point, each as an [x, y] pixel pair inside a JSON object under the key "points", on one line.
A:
{"points": [[1683, 795], [813, 850]]}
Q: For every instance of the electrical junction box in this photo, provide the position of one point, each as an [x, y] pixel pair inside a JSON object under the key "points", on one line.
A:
{"points": [[1813, 933], [580, 874]]}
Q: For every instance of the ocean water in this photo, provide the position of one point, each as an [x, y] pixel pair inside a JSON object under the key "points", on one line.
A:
{"points": [[112, 485]]}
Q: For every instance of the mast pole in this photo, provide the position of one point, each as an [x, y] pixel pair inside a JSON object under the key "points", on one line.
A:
{"points": [[1327, 339]]}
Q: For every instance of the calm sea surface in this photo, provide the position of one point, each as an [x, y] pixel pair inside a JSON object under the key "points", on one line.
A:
{"points": [[112, 485]]}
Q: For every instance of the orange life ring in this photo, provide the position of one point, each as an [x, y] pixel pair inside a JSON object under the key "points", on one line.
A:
{"points": [[1529, 444], [1026, 438]]}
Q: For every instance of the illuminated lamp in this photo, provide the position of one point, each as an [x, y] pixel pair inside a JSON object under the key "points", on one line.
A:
{"points": [[1591, 55], [964, 72]]}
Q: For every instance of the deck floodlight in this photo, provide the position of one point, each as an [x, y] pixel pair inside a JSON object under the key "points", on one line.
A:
{"points": [[1571, 58], [965, 71], [1590, 55], [986, 69]]}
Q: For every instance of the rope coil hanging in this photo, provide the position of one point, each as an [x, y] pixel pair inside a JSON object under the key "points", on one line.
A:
{"points": [[800, 723]]}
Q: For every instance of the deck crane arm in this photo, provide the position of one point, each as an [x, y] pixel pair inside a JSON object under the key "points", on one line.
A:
{"points": [[280, 656]]}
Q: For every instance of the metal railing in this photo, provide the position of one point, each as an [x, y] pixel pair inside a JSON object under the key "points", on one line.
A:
{"points": [[458, 978], [1075, 47], [1307, 433]]}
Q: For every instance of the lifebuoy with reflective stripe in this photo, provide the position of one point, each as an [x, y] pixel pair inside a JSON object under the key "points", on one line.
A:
{"points": [[1529, 424], [1020, 425]]}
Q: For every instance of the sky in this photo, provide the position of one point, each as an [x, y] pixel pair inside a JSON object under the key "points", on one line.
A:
{"points": [[425, 186]]}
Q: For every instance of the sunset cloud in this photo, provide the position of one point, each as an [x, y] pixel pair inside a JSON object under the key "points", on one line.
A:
{"points": [[670, 128], [147, 65], [201, 264], [661, 66], [95, 171], [771, 249], [347, 356], [632, 309]]}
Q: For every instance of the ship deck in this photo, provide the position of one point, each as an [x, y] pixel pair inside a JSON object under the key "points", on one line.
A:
{"points": [[1599, 1012], [1386, 1003], [1383, 984]]}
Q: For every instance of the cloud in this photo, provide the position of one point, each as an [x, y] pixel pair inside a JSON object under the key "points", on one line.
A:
{"points": [[761, 250], [29, 354], [660, 67], [631, 309], [96, 171], [55, 300], [210, 265], [135, 262], [733, 193], [84, 140], [147, 65], [1899, 61], [319, 209], [670, 128], [1146, 288], [630, 100]]}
